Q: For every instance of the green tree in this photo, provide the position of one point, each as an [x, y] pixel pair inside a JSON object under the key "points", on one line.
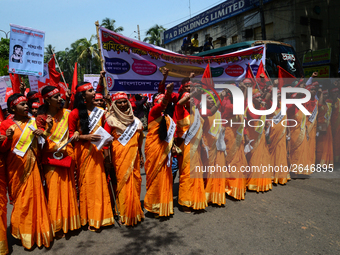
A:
{"points": [[4, 56], [87, 54], [49, 49], [154, 35], [110, 24], [66, 63]]}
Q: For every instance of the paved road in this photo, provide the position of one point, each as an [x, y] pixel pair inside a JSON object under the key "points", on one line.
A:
{"points": [[301, 217]]}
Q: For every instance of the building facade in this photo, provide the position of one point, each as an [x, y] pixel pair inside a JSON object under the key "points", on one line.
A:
{"points": [[310, 26]]}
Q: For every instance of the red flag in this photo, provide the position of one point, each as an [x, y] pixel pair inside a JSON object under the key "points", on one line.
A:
{"points": [[207, 77], [2, 117], [62, 88], [75, 79], [261, 76], [100, 88], [208, 82], [282, 75], [41, 85], [54, 75], [15, 79], [9, 92], [74, 85], [249, 73]]}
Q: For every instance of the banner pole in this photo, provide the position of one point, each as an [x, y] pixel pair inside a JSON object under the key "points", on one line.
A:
{"points": [[58, 66], [101, 59]]}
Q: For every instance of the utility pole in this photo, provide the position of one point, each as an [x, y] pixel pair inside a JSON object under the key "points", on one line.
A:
{"points": [[138, 32], [263, 24]]}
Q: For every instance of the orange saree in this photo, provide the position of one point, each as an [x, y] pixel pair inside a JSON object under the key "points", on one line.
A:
{"points": [[126, 162], [278, 149], [324, 141], [215, 181], [299, 153], [191, 185], [311, 124], [3, 208], [258, 179], [29, 220], [159, 196], [235, 182], [94, 196], [335, 123], [62, 197]]}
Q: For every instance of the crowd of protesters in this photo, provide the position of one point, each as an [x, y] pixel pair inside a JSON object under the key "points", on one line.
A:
{"points": [[56, 166]]}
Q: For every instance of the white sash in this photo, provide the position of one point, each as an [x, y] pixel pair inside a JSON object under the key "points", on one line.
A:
{"points": [[193, 128], [94, 118], [312, 117], [171, 130], [169, 136], [129, 132], [277, 119], [220, 143]]}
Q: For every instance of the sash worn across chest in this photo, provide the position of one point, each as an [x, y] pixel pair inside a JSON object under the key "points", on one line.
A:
{"points": [[25, 139], [194, 127], [277, 118], [312, 117], [215, 129], [129, 132], [61, 129], [95, 117], [171, 130]]}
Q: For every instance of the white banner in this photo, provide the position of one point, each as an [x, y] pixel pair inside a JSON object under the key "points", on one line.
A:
{"points": [[135, 67], [26, 53], [3, 87], [93, 79], [34, 80]]}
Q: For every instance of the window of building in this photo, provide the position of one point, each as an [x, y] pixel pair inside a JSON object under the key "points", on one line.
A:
{"points": [[248, 33], [315, 27], [269, 32], [304, 21], [234, 39]]}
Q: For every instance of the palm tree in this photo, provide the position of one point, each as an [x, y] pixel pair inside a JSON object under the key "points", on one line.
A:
{"points": [[87, 52], [110, 24], [154, 35], [49, 49]]}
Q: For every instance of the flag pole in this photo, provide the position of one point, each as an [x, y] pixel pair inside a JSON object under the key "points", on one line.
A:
{"points": [[58, 66], [258, 87], [100, 55]]}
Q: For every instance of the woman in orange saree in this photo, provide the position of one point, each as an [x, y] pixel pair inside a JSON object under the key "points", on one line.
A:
{"points": [[324, 140], [298, 146], [311, 123], [235, 158], [215, 180], [191, 193], [3, 204], [335, 123], [94, 196], [159, 141], [258, 179], [62, 197], [127, 131], [277, 146], [29, 220]]}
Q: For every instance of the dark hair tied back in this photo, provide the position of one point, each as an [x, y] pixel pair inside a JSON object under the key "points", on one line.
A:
{"points": [[79, 103], [162, 131]]}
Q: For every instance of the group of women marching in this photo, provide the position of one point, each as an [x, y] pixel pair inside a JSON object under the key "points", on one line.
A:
{"points": [[54, 167]]}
